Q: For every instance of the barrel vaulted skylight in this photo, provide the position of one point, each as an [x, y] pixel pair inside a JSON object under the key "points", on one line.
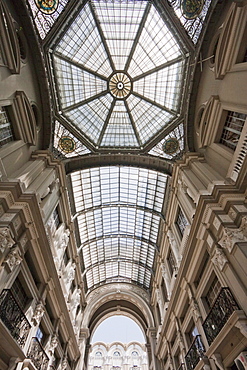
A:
{"points": [[118, 210], [119, 71]]}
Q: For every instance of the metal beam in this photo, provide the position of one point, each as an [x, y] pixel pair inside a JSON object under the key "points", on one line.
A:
{"points": [[134, 160]]}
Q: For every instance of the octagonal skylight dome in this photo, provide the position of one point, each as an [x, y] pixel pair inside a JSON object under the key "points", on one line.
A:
{"points": [[119, 72]]}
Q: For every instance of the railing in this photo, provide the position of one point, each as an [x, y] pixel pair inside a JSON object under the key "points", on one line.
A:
{"points": [[13, 317], [181, 366], [239, 157], [222, 309], [37, 355], [195, 353]]}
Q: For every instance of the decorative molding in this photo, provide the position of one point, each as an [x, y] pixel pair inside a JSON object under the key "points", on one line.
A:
{"points": [[242, 326], [232, 236], [53, 344], [6, 240], [195, 309], [219, 258], [13, 258], [38, 314]]}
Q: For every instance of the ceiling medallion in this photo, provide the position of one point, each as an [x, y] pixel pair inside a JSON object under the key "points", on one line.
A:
{"points": [[66, 144], [120, 85], [171, 145], [191, 8], [47, 6]]}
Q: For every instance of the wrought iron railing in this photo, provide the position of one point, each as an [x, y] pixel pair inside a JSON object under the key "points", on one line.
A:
{"points": [[13, 317], [195, 353], [219, 314], [37, 354]]}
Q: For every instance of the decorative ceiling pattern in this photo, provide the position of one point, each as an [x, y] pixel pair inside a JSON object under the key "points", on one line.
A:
{"points": [[118, 211], [119, 72]]}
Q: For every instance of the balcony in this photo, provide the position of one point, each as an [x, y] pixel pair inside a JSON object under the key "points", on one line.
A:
{"points": [[219, 314], [195, 353], [13, 317], [37, 354]]}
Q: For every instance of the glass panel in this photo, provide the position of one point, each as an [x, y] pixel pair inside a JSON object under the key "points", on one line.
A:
{"points": [[82, 44], [119, 22], [90, 118], [159, 150], [148, 118], [232, 129], [119, 73], [181, 222], [119, 214], [162, 87], [193, 24], [119, 131], [43, 21], [6, 131], [65, 144], [156, 45], [76, 85]]}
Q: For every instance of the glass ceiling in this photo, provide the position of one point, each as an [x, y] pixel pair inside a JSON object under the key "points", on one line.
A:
{"points": [[118, 210], [119, 73]]}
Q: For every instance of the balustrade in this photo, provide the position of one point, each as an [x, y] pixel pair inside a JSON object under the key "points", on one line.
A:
{"points": [[37, 354], [220, 312], [13, 317], [195, 353]]}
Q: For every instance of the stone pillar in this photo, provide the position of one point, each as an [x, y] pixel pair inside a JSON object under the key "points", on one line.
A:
{"points": [[174, 247], [84, 334], [167, 280], [151, 333]]}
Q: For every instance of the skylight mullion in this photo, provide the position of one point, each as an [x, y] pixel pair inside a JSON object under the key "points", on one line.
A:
{"points": [[156, 69], [84, 102], [138, 35], [106, 122], [102, 36], [133, 123], [78, 65], [171, 111]]}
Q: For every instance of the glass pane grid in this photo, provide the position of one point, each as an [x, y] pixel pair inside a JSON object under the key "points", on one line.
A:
{"points": [[111, 37], [119, 22], [181, 222], [119, 131], [6, 130], [148, 118], [82, 43], [156, 45], [117, 224], [76, 85], [232, 129], [90, 118]]}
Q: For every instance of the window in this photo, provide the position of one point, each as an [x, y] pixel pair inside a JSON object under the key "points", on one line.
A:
{"points": [[56, 217], [181, 221], [39, 334], [164, 291], [232, 129], [19, 294], [213, 292], [171, 262], [6, 131], [66, 257]]}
